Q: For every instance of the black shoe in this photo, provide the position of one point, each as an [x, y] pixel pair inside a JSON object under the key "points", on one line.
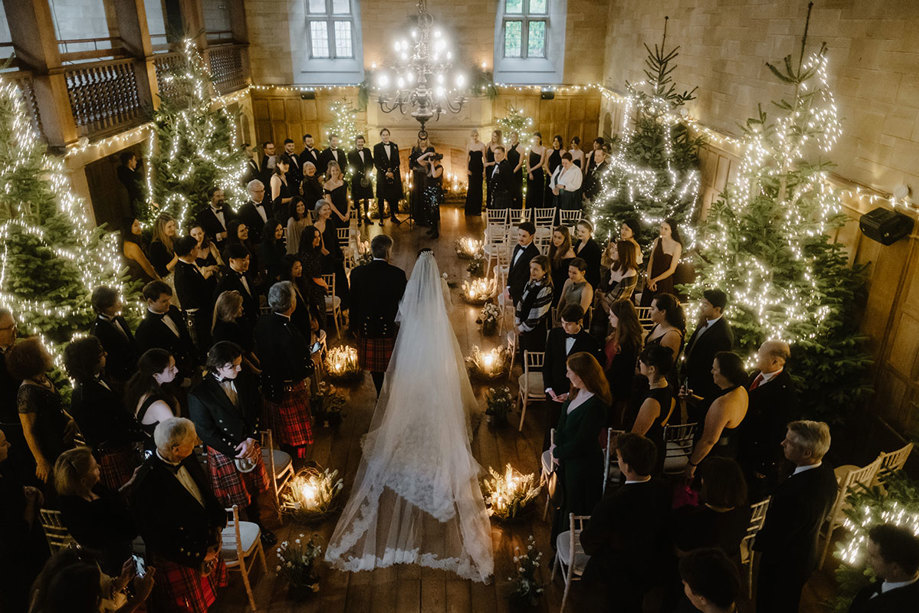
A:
{"points": [[268, 538], [396, 220]]}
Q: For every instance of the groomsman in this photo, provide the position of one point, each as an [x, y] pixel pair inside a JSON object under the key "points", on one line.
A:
{"points": [[519, 271], [332, 154], [389, 177], [236, 277], [195, 290], [215, 218], [360, 161], [294, 172], [164, 327], [569, 338], [500, 181], [309, 153], [114, 333]]}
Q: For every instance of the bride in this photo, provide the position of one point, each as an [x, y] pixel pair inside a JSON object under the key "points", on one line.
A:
{"points": [[416, 498]]}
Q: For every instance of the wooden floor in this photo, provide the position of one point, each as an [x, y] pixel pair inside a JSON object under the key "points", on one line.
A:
{"points": [[407, 589]]}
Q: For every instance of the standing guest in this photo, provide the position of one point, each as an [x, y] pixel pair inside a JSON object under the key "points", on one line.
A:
{"points": [[299, 219], [893, 554], [417, 162], [309, 154], [713, 334], [773, 404], [333, 259], [360, 161], [281, 190], [577, 155], [566, 184], [208, 253], [215, 219], [490, 161], [665, 257], [653, 411], [237, 278], [113, 331], [577, 438], [622, 348], [515, 159], [225, 409], [96, 517], [500, 181], [576, 289], [310, 187], [195, 290], [100, 413], [588, 250], [331, 154], [531, 315], [271, 250], [132, 248], [180, 521], [475, 170], [292, 270], [593, 177], [18, 462], [519, 270], [164, 327], [710, 581], [253, 172], [285, 359], [566, 340], [618, 283], [269, 159], [434, 193], [254, 213], [623, 538], [228, 326], [669, 327], [47, 429], [311, 258], [536, 176], [240, 235], [337, 190], [553, 161], [294, 172], [629, 231], [132, 181], [162, 256], [788, 539], [376, 291], [389, 176], [591, 157], [146, 395], [560, 255]]}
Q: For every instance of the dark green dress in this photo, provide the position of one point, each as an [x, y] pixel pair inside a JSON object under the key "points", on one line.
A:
{"points": [[577, 447]]}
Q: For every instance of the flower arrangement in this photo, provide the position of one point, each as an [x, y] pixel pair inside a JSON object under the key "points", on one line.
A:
{"points": [[487, 365], [527, 588], [363, 254], [297, 564], [326, 405], [478, 291], [476, 267], [342, 364], [499, 402], [489, 317], [467, 248], [312, 494], [508, 495]]}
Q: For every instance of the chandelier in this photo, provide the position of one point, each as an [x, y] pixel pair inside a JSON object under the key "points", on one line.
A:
{"points": [[420, 79]]}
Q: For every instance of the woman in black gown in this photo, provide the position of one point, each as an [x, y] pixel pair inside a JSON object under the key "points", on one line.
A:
{"points": [[417, 161], [337, 189], [434, 193], [475, 169], [536, 178], [496, 141], [333, 260], [553, 161]]}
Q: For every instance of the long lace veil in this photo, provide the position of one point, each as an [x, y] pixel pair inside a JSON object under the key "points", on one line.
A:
{"points": [[416, 497]]}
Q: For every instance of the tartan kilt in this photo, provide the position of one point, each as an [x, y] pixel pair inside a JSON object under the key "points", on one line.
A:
{"points": [[290, 419], [374, 353], [180, 589], [231, 486], [116, 467]]}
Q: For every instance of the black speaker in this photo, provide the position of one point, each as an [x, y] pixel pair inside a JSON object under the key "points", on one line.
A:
{"points": [[547, 94], [885, 226], [308, 95]]}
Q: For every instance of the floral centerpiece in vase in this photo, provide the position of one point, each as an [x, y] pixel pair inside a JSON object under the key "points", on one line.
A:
{"points": [[527, 588], [507, 496], [326, 405], [499, 402], [297, 565], [489, 317], [477, 265]]}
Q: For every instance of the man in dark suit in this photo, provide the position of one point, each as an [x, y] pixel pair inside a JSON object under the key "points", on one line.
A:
{"points": [[164, 327], [236, 277], [519, 272], [893, 554], [256, 211], [360, 161], [132, 181], [331, 154], [178, 517], [623, 538], [253, 172], [376, 290], [788, 539], [501, 181], [295, 170], [773, 403], [565, 340], [195, 290], [114, 333], [712, 334], [215, 218], [269, 159], [389, 177], [309, 153]]}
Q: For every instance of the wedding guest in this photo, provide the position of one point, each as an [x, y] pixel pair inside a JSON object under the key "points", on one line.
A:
{"points": [[576, 289], [161, 253], [333, 259], [710, 581], [215, 218], [417, 162], [560, 255], [254, 213], [239, 235], [360, 161], [475, 170], [310, 187], [531, 315], [567, 339], [337, 190], [519, 270], [653, 411], [237, 278], [292, 270], [194, 288], [311, 258], [553, 161], [434, 194], [566, 184], [593, 177], [227, 325], [665, 257], [515, 160], [577, 155], [253, 172], [113, 331], [669, 326], [271, 250], [536, 177], [294, 171], [208, 254], [788, 539], [132, 248], [146, 396], [712, 335], [588, 250], [622, 348], [132, 181], [591, 157], [618, 282], [331, 154], [269, 158], [490, 161], [629, 231], [9, 386], [309, 154], [164, 327], [893, 554], [281, 191], [500, 181], [389, 177]]}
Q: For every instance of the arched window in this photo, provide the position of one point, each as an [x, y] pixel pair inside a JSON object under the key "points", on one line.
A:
{"points": [[327, 50], [530, 41]]}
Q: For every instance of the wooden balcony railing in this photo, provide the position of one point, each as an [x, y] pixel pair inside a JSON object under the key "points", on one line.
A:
{"points": [[164, 63], [104, 96], [227, 67], [23, 80]]}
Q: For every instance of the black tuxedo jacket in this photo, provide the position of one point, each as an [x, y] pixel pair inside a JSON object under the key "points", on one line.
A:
{"points": [[249, 216], [772, 406], [267, 170], [120, 345], [700, 353], [295, 172], [900, 600], [501, 184], [327, 156], [555, 366], [799, 506], [172, 522], [153, 333], [102, 418], [360, 169], [519, 273], [385, 189], [212, 225], [193, 290], [282, 349], [253, 172], [221, 424], [232, 281], [309, 155], [376, 289]]}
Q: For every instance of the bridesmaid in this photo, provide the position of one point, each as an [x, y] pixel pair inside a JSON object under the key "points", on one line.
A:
{"points": [[496, 141], [475, 170], [577, 155], [536, 178], [553, 161], [665, 256]]}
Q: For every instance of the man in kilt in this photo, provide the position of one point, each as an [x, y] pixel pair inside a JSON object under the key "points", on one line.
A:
{"points": [[284, 355], [225, 408], [376, 290], [180, 521]]}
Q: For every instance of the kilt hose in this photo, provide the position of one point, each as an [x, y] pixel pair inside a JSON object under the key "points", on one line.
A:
{"points": [[180, 589], [116, 467], [290, 418], [232, 486], [374, 353]]}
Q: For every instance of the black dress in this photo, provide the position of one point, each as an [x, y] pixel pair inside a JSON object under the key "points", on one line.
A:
{"points": [[555, 160], [234, 332], [656, 431], [513, 156], [311, 259], [278, 204], [339, 197], [160, 256], [559, 276], [334, 263], [312, 192], [489, 159], [52, 427], [474, 189], [434, 197], [419, 181], [149, 444], [536, 187]]}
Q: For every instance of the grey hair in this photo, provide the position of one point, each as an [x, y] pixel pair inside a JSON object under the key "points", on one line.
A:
{"points": [[252, 185], [281, 296], [813, 436], [320, 203], [173, 431], [308, 164]]}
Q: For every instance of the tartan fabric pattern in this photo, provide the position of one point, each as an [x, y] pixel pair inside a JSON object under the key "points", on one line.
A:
{"points": [[117, 467], [290, 419], [374, 353], [231, 486], [180, 589]]}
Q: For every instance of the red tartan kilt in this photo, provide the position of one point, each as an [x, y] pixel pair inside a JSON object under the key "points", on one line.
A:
{"points": [[231, 486], [117, 467], [180, 589], [290, 419], [374, 353]]}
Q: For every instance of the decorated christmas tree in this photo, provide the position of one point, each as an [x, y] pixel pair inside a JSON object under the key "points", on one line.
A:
{"points": [[344, 124], [52, 257], [653, 170], [516, 122], [195, 146]]}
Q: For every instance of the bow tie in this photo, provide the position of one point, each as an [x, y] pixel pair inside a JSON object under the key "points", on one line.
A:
{"points": [[571, 336], [153, 315], [217, 210]]}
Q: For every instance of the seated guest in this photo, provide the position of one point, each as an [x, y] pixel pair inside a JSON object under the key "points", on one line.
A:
{"points": [[712, 334], [292, 270], [100, 414], [237, 278], [653, 412], [195, 291], [254, 213], [163, 327], [114, 333], [160, 252], [225, 408], [180, 521], [617, 283], [562, 342], [788, 539], [621, 354], [227, 326], [95, 516], [576, 289], [710, 581], [577, 438], [519, 270], [146, 396], [588, 250], [316, 286], [624, 537], [893, 554], [272, 251], [531, 315]]}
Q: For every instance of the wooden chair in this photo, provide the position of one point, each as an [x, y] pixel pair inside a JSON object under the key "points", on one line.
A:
{"points": [[333, 302], [543, 242], [644, 317], [569, 555], [610, 461], [892, 462], [279, 464], [56, 533], [241, 542], [546, 468], [757, 519], [544, 218], [530, 383], [678, 441], [497, 245], [861, 477]]}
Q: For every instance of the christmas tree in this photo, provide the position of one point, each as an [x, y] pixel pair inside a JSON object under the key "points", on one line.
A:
{"points": [[516, 122], [52, 256], [653, 170], [196, 148], [344, 124], [766, 242]]}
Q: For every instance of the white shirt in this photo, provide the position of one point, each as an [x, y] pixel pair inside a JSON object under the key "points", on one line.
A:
{"points": [[570, 179], [768, 376], [220, 217], [261, 210], [569, 343], [708, 324], [631, 481], [518, 254], [361, 153], [169, 323], [893, 585], [801, 469], [229, 388], [185, 479], [386, 147]]}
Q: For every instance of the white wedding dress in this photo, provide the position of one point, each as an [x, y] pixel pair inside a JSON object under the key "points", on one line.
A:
{"points": [[416, 497]]}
